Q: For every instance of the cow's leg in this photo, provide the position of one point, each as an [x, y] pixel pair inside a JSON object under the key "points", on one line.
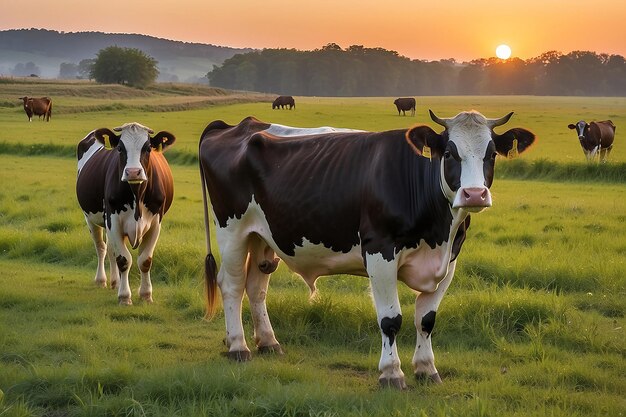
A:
{"points": [[144, 259], [123, 260], [383, 278], [114, 271], [604, 154], [426, 305], [261, 263], [231, 279], [97, 234]]}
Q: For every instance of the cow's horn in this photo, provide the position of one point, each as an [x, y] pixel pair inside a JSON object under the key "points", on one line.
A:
{"points": [[436, 119], [499, 122]]}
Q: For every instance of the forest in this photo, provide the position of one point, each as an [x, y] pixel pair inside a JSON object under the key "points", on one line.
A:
{"points": [[360, 71]]}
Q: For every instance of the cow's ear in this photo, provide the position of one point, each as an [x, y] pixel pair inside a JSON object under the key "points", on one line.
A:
{"points": [[426, 142], [571, 126], [513, 142], [107, 138], [162, 140]]}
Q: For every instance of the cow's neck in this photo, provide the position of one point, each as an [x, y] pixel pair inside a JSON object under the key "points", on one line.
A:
{"points": [[458, 217], [442, 211], [139, 191]]}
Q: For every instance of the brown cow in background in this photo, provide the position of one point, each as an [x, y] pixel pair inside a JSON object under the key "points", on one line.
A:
{"points": [[596, 138], [282, 101], [405, 103], [37, 106]]}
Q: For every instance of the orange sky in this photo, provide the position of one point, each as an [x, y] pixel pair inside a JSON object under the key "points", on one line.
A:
{"points": [[426, 29]]}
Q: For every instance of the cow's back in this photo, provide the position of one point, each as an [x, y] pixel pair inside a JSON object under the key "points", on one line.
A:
{"points": [[606, 132], [338, 183], [94, 163]]}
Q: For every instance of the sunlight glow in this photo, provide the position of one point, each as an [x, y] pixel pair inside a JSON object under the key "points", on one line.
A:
{"points": [[503, 52]]}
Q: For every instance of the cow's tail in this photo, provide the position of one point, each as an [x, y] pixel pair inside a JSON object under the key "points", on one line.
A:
{"points": [[210, 266], [49, 112]]}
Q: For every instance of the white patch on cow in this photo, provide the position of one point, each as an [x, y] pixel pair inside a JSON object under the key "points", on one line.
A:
{"points": [[133, 229], [310, 261], [90, 152], [419, 267], [134, 136], [592, 153], [282, 130]]}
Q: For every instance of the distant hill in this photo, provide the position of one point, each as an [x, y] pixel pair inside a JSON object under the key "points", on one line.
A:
{"points": [[48, 49]]}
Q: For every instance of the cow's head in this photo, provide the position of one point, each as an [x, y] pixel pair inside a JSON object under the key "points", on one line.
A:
{"points": [[25, 100], [466, 151], [581, 129], [134, 145]]}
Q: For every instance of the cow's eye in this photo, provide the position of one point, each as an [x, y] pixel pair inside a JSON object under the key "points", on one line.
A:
{"points": [[493, 156], [447, 154]]}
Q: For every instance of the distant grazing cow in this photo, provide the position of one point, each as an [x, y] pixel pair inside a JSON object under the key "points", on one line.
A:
{"points": [[391, 206], [38, 107], [405, 103], [596, 138], [282, 101], [125, 186]]}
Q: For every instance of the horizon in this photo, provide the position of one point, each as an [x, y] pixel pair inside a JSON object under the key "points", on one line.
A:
{"points": [[426, 32], [343, 47]]}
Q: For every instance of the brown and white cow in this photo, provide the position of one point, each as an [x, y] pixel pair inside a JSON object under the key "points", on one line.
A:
{"points": [[37, 106], [392, 206], [596, 138], [125, 187], [405, 103]]}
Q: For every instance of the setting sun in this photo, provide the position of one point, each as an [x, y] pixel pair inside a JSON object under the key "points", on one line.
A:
{"points": [[503, 52]]}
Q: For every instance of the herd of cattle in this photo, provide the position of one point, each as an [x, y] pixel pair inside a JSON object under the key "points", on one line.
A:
{"points": [[391, 206]]}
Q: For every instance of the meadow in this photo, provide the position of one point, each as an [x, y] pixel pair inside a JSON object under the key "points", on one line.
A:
{"points": [[532, 325]]}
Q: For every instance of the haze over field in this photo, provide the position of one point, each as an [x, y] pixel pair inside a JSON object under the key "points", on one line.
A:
{"points": [[418, 30]]}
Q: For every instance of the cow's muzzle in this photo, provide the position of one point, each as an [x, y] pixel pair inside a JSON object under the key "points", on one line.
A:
{"points": [[134, 175], [473, 199]]}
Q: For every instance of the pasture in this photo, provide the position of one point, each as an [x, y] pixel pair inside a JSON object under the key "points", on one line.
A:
{"points": [[532, 325]]}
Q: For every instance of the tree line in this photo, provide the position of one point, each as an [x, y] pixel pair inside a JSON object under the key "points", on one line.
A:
{"points": [[360, 71]]}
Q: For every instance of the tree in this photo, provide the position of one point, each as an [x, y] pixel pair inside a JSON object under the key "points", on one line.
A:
{"points": [[84, 68], [25, 70], [127, 66], [68, 70]]}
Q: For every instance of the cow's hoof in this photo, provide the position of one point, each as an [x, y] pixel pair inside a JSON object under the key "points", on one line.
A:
{"points": [[125, 301], [273, 349], [240, 355], [147, 298], [424, 377], [396, 383], [101, 284], [113, 285]]}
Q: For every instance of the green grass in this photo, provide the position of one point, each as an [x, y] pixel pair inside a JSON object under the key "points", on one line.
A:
{"points": [[533, 324]]}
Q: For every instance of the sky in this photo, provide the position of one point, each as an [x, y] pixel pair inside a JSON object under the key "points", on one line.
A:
{"points": [[418, 29]]}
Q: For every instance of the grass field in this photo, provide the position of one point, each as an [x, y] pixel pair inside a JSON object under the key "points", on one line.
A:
{"points": [[533, 324]]}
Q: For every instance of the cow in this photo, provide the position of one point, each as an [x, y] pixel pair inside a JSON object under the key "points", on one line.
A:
{"points": [[405, 103], [391, 206], [125, 187], [596, 138], [37, 106], [282, 101]]}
